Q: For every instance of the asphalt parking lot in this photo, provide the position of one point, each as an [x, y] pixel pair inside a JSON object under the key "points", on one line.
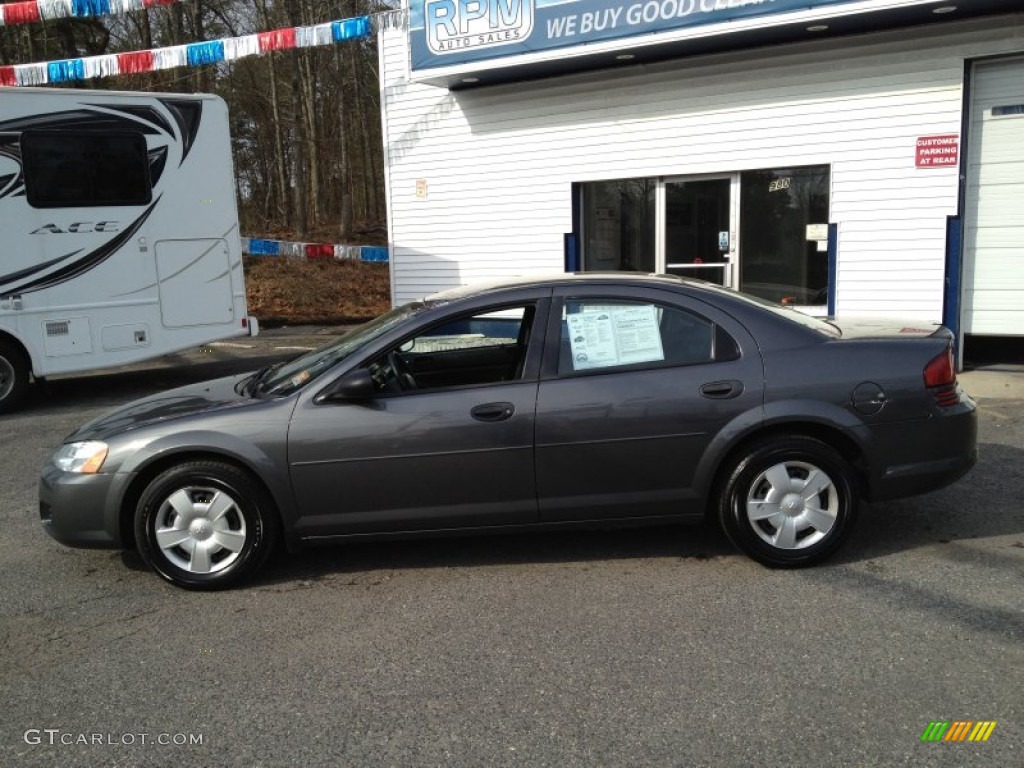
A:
{"points": [[650, 647]]}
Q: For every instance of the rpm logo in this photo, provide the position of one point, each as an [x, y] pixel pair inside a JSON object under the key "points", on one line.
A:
{"points": [[456, 25]]}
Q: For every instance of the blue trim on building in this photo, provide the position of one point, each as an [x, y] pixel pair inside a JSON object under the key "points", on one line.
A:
{"points": [[954, 275], [572, 252], [833, 260]]}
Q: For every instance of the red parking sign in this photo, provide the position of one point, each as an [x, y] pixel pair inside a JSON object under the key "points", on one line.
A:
{"points": [[938, 151]]}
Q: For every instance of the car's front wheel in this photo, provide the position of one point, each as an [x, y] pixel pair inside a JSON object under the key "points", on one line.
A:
{"points": [[205, 525], [789, 501]]}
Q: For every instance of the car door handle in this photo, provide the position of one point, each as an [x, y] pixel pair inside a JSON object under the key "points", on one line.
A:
{"points": [[493, 411], [722, 390]]}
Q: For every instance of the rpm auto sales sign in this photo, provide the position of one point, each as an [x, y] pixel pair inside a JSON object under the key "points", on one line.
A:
{"points": [[458, 25]]}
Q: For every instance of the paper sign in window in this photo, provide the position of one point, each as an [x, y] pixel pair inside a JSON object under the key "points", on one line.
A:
{"points": [[604, 336]]}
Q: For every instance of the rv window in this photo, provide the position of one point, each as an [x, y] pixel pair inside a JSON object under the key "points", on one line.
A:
{"points": [[73, 170]]}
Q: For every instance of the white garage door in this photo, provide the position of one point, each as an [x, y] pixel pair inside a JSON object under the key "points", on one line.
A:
{"points": [[993, 298]]}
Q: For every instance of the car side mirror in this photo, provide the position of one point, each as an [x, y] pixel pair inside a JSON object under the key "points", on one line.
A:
{"points": [[354, 385]]}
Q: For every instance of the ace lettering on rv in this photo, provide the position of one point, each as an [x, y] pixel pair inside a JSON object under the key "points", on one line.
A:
{"points": [[78, 227]]}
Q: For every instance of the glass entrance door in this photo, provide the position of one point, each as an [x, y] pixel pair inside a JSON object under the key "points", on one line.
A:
{"points": [[784, 229], [765, 232], [699, 230]]}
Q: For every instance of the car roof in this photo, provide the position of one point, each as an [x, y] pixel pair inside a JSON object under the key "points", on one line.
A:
{"points": [[637, 279]]}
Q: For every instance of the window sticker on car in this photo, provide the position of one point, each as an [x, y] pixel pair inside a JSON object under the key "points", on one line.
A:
{"points": [[614, 335]]}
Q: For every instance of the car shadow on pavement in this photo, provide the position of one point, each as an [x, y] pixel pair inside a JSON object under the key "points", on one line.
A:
{"points": [[983, 504], [700, 541], [980, 506]]}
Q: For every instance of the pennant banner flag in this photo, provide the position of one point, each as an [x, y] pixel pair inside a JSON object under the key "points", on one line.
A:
{"points": [[30, 11], [193, 55], [258, 246]]}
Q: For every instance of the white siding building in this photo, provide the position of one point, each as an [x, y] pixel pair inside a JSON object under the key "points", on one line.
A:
{"points": [[861, 157]]}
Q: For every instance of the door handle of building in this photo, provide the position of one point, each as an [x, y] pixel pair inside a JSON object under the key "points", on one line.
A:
{"points": [[722, 390], [493, 411]]}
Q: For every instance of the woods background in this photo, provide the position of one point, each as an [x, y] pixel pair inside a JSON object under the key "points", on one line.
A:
{"points": [[305, 122]]}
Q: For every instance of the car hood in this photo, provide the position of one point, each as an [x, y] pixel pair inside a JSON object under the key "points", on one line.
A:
{"points": [[872, 328], [192, 399]]}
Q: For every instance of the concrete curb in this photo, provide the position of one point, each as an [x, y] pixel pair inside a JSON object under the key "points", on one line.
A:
{"points": [[996, 385]]}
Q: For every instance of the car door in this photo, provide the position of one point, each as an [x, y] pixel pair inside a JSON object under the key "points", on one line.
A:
{"points": [[446, 443], [636, 383]]}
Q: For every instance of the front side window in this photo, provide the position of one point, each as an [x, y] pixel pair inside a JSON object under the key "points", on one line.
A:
{"points": [[600, 333], [472, 349], [73, 170]]}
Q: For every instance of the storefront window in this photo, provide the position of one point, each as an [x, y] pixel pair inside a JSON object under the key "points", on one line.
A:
{"points": [[784, 234], [618, 225]]}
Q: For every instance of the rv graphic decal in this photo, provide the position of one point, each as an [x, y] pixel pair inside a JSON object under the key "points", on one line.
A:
{"points": [[77, 227], [187, 114], [80, 120], [167, 134], [10, 166], [74, 269], [21, 274]]}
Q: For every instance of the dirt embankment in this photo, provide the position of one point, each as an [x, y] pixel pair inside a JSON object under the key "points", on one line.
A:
{"points": [[289, 291]]}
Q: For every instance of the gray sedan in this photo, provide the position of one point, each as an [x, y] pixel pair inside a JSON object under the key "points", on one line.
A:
{"points": [[575, 400]]}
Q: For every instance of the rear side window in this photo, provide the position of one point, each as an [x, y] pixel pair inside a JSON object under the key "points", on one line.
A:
{"points": [[74, 170], [600, 333]]}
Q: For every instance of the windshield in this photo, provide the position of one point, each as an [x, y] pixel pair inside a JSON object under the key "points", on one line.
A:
{"points": [[296, 373]]}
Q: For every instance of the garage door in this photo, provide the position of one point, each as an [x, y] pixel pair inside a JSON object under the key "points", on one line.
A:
{"points": [[993, 301]]}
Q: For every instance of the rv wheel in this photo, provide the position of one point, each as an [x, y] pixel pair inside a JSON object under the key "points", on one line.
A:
{"points": [[13, 376]]}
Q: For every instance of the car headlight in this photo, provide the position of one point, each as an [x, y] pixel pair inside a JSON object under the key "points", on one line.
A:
{"points": [[86, 457]]}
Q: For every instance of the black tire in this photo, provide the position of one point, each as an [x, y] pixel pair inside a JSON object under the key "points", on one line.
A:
{"points": [[227, 523], [789, 501], [14, 371]]}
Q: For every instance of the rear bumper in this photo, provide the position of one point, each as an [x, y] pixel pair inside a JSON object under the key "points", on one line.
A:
{"points": [[922, 456]]}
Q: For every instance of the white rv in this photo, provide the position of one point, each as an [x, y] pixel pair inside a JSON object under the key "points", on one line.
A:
{"points": [[118, 231]]}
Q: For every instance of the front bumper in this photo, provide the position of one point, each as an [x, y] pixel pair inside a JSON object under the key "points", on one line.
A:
{"points": [[80, 510]]}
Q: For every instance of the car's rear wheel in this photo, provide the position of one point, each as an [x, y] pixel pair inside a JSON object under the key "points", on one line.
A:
{"points": [[14, 370], [789, 501], [205, 525]]}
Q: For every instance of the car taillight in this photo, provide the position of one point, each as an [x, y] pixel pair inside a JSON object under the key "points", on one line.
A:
{"points": [[940, 375]]}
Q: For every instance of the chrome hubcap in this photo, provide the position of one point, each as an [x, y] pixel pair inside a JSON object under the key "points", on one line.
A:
{"points": [[792, 505], [200, 530]]}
